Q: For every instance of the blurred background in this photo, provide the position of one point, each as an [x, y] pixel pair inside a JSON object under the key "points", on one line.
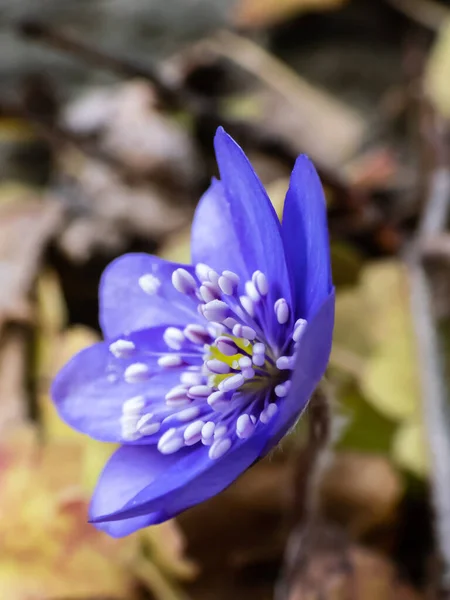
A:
{"points": [[107, 114]]}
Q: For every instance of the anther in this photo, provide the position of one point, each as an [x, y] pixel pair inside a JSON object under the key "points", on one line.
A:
{"points": [[251, 291], [179, 392], [220, 431], [188, 414], [216, 310], [174, 338], [183, 281], [191, 378], [229, 322], [136, 373], [269, 412], [133, 406], [217, 366], [170, 360], [209, 292], [146, 427], [213, 276], [243, 331], [228, 282], [282, 389], [149, 284], [231, 383], [248, 373], [299, 328], [170, 441], [197, 334], [208, 433], [247, 305], [217, 400], [202, 270], [196, 392], [219, 448], [193, 433], [260, 282], [245, 362], [226, 346], [281, 309], [122, 348], [245, 426], [284, 362], [258, 359]]}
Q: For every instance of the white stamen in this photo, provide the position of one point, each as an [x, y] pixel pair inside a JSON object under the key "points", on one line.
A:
{"points": [[259, 359], [260, 282], [248, 306], [198, 391], [282, 389], [196, 334], [122, 348], [178, 392], [228, 282], [226, 346], [146, 427], [183, 281], [208, 433], [251, 291], [202, 270], [220, 431], [245, 362], [284, 362], [149, 284], [219, 448], [133, 406], [216, 310], [259, 348], [281, 309], [188, 414], [213, 276], [245, 425], [229, 322], [170, 441], [231, 383], [170, 360], [191, 378], [136, 373], [174, 338], [248, 373], [299, 328], [216, 399], [217, 366], [193, 433], [243, 331], [208, 292], [268, 413]]}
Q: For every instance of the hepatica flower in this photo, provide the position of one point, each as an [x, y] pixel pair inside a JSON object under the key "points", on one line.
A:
{"points": [[204, 368]]}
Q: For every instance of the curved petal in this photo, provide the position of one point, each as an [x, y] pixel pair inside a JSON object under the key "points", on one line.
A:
{"points": [[313, 354], [89, 391], [127, 472], [126, 307], [305, 237], [250, 239], [178, 481], [214, 239]]}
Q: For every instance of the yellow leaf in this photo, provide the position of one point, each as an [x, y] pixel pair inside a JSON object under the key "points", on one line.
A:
{"points": [[390, 377], [437, 79], [409, 448]]}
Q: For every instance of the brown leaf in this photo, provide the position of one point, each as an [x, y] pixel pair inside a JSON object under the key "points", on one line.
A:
{"points": [[263, 13], [26, 225]]}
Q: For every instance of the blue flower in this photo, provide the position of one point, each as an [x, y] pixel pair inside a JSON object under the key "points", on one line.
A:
{"points": [[205, 368]]}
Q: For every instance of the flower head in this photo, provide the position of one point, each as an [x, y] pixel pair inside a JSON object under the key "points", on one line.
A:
{"points": [[204, 368]]}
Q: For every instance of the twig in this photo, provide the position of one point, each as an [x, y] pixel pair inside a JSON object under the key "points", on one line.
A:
{"points": [[305, 502], [435, 407]]}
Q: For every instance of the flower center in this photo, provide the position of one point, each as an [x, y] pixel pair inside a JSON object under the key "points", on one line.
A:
{"points": [[231, 379]]}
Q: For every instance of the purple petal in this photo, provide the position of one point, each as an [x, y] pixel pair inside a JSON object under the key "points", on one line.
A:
{"points": [[126, 307], [214, 239], [305, 236], [163, 486], [90, 389], [313, 354], [236, 227]]}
